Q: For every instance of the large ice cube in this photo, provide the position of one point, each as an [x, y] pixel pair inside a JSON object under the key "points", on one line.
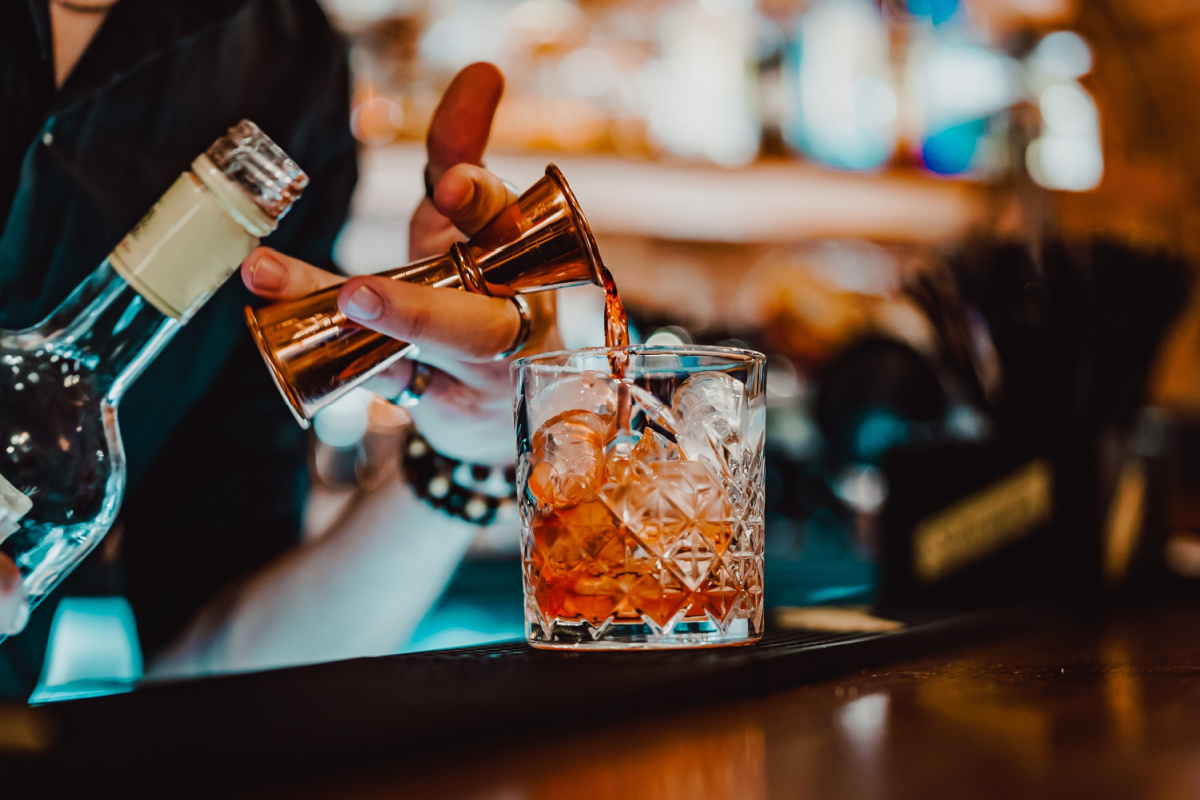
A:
{"points": [[692, 489], [653, 446], [644, 509], [588, 391], [585, 537], [626, 456], [708, 412], [567, 464]]}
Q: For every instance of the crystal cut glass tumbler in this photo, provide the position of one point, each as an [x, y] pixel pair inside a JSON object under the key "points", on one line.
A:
{"points": [[642, 496]]}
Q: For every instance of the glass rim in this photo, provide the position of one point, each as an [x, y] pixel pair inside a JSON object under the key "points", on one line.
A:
{"points": [[734, 355]]}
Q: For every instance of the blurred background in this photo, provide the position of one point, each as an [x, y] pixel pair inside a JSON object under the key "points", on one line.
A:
{"points": [[777, 174], [802, 177]]}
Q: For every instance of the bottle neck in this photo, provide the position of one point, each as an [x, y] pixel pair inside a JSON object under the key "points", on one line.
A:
{"points": [[122, 316], [110, 329], [119, 319]]}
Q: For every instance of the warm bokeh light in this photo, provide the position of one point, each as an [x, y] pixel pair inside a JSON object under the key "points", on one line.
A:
{"points": [[1068, 154]]}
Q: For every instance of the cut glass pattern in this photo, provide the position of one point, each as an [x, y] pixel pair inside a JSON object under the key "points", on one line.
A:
{"points": [[650, 533]]}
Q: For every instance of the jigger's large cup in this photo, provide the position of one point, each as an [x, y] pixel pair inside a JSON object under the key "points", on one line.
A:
{"points": [[315, 354], [642, 497]]}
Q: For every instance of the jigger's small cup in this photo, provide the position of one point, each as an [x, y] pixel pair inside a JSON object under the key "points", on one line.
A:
{"points": [[315, 354]]}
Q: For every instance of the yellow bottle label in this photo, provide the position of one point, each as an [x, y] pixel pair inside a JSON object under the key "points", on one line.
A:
{"points": [[13, 506], [181, 252]]}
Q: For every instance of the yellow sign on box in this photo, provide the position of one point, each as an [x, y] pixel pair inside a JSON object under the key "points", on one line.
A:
{"points": [[1002, 513]]}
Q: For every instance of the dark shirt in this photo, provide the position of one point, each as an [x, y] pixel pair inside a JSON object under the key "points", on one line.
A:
{"points": [[215, 462]]}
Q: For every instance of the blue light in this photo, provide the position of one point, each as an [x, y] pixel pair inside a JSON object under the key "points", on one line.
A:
{"points": [[937, 11], [463, 624], [93, 650], [877, 433], [836, 594], [951, 150]]}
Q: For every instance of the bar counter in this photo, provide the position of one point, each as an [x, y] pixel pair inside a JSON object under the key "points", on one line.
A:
{"points": [[1061, 707]]}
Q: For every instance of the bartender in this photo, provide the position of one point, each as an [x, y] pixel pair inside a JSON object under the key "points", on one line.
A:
{"points": [[104, 103]]}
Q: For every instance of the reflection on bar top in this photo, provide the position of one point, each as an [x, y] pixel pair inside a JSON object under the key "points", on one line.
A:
{"points": [[840, 619]]}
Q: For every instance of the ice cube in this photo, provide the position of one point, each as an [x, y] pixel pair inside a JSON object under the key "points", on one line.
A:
{"points": [[588, 391], [708, 410], [659, 501], [698, 495], [706, 518], [643, 508], [655, 447], [568, 459], [586, 538], [619, 463]]}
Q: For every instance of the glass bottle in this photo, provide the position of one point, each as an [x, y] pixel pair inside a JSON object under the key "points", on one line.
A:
{"points": [[62, 464]]}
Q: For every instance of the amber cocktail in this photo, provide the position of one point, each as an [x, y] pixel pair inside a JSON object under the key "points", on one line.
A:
{"points": [[642, 497]]}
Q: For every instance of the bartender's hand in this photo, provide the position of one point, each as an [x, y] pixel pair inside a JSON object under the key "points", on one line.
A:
{"points": [[14, 609], [466, 412]]}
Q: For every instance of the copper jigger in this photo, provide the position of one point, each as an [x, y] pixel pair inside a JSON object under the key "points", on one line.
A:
{"points": [[315, 354]]}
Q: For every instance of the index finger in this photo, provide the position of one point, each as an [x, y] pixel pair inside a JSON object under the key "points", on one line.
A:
{"points": [[458, 132]]}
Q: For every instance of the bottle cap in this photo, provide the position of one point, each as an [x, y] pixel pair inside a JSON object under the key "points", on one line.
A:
{"points": [[252, 175]]}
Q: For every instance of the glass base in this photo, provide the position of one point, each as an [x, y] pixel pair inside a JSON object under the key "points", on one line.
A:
{"points": [[640, 636]]}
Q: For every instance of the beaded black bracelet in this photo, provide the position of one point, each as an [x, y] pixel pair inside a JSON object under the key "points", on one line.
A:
{"points": [[473, 492]]}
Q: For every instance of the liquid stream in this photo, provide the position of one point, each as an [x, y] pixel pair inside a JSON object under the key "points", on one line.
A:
{"points": [[616, 324]]}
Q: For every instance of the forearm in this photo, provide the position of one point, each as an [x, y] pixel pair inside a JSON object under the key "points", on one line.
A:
{"points": [[361, 590]]}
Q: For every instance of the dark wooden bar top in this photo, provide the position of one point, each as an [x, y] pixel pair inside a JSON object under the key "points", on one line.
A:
{"points": [[1090, 709], [1060, 707]]}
